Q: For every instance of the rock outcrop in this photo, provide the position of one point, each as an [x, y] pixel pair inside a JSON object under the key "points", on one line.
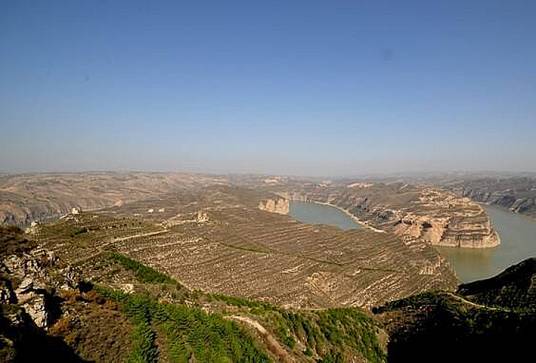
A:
{"points": [[435, 216], [517, 194], [277, 205], [27, 282], [201, 217]]}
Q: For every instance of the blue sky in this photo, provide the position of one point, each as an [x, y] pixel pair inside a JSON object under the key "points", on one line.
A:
{"points": [[290, 87]]}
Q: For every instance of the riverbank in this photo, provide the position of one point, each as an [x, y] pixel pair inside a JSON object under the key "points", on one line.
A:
{"points": [[518, 242], [354, 218]]}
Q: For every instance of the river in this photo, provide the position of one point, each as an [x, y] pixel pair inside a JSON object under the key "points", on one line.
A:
{"points": [[315, 213], [517, 232], [518, 242]]}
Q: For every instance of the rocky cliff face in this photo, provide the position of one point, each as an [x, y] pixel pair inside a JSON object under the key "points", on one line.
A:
{"points": [[277, 205], [44, 315], [26, 281], [412, 212], [516, 194]]}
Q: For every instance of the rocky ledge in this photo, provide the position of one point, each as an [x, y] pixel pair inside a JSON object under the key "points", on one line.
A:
{"points": [[435, 216], [276, 205], [517, 194], [25, 279]]}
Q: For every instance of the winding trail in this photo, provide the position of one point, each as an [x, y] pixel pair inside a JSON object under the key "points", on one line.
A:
{"points": [[271, 342], [476, 305]]}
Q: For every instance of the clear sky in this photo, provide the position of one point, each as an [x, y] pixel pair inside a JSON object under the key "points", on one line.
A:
{"points": [[291, 87]]}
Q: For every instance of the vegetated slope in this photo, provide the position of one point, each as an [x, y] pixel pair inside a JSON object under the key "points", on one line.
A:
{"points": [[493, 326], [222, 243], [13, 241], [513, 288], [106, 306], [113, 308], [515, 193]]}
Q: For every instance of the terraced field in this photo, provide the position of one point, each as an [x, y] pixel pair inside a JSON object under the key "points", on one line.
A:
{"points": [[223, 243], [40, 197], [221, 262]]}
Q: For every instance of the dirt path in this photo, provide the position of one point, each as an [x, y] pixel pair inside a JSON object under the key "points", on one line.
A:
{"points": [[271, 342], [480, 306]]}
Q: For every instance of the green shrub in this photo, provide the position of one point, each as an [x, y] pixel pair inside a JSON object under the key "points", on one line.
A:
{"points": [[260, 306], [78, 231], [188, 331], [330, 332], [144, 348], [143, 273]]}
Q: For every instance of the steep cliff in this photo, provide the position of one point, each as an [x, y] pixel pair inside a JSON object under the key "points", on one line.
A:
{"points": [[412, 212], [516, 193], [276, 205]]}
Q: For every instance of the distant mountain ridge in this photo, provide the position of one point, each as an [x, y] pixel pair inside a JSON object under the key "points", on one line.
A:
{"points": [[36, 197], [517, 194], [411, 211]]}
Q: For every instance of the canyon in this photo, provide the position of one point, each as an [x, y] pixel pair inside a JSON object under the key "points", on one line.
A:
{"points": [[518, 194], [75, 290], [423, 213], [239, 249], [152, 251], [412, 212]]}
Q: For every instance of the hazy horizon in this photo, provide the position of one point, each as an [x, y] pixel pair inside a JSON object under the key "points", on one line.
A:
{"points": [[307, 88], [408, 175]]}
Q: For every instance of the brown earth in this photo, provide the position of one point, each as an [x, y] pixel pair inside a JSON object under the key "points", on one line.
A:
{"points": [[237, 249], [429, 214]]}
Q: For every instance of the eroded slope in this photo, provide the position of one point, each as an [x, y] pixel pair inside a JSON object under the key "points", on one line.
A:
{"points": [[413, 212], [223, 243]]}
